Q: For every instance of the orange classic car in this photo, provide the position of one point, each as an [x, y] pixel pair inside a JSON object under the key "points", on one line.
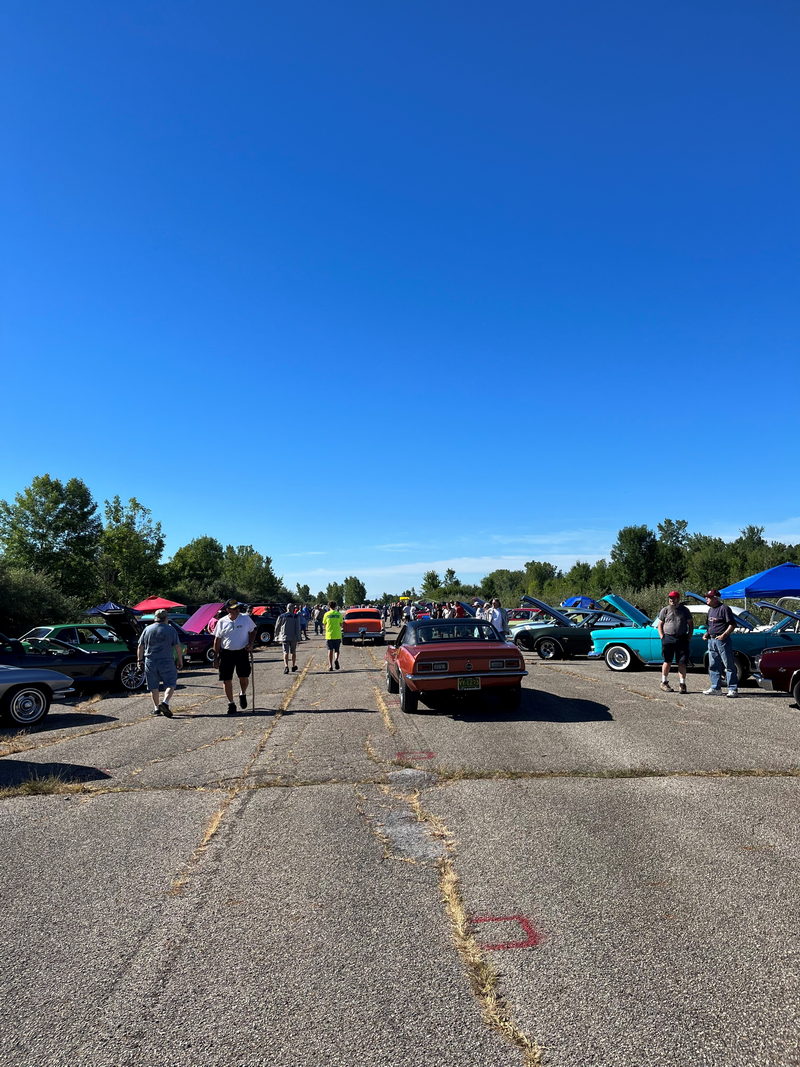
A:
{"points": [[434, 658], [362, 623]]}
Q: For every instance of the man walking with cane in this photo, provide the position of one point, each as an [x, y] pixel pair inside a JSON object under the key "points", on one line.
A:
{"points": [[234, 635]]}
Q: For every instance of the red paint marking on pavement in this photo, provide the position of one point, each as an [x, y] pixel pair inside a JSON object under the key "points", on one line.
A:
{"points": [[416, 755], [531, 941]]}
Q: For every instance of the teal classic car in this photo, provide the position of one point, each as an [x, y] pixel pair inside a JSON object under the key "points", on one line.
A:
{"points": [[628, 647]]}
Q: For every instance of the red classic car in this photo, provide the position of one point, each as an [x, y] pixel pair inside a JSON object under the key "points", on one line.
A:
{"points": [[362, 623], [435, 657], [779, 669]]}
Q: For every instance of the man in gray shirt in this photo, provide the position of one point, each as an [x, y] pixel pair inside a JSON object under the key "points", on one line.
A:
{"points": [[287, 630], [675, 627]]}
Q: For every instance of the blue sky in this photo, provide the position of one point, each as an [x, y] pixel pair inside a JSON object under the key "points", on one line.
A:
{"points": [[378, 288]]}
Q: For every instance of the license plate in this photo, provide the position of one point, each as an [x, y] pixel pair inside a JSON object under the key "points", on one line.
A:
{"points": [[469, 683]]}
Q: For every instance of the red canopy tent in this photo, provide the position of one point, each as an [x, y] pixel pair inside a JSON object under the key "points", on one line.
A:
{"points": [[153, 603]]}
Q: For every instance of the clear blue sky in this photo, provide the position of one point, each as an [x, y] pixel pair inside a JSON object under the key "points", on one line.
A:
{"points": [[383, 287]]}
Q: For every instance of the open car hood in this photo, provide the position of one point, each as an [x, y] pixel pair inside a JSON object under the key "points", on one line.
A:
{"points": [[638, 618]]}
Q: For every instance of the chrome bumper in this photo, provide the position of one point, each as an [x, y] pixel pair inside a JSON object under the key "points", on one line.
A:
{"points": [[436, 676]]}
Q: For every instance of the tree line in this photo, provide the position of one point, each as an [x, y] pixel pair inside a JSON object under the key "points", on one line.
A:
{"points": [[60, 554]]}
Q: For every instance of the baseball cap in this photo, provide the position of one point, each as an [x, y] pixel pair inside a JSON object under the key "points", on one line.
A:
{"points": [[712, 592], [674, 595]]}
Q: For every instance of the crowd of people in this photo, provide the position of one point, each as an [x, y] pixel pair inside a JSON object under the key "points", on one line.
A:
{"points": [[234, 638]]}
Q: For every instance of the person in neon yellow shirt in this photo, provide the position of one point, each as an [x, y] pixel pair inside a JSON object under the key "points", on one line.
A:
{"points": [[332, 621]]}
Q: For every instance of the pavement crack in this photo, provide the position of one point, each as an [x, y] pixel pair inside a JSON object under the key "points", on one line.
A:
{"points": [[483, 977]]}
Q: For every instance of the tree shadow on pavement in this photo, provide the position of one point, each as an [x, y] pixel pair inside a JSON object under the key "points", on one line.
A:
{"points": [[14, 772]]}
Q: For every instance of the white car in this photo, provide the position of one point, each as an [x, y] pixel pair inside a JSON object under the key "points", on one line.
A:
{"points": [[26, 693]]}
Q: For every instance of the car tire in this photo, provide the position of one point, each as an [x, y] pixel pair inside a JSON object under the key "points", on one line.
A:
{"points": [[548, 648], [619, 658], [391, 682], [130, 676], [209, 654], [523, 643], [796, 693], [742, 666], [409, 702], [379, 640], [265, 636], [25, 706]]}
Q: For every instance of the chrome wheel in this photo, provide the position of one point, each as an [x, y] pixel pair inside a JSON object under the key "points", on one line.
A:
{"points": [[619, 658], [131, 675], [549, 648], [26, 706]]}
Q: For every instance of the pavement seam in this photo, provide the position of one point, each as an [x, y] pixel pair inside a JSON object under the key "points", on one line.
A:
{"points": [[180, 881], [484, 979]]}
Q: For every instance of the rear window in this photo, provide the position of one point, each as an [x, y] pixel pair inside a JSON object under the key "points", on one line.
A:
{"points": [[454, 630], [362, 615]]}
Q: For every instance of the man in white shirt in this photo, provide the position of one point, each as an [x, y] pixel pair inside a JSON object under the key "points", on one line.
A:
{"points": [[234, 635]]}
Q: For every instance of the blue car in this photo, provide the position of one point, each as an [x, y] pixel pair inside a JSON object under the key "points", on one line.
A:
{"points": [[628, 647]]}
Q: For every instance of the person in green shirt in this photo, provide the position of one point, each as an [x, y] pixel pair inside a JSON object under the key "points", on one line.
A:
{"points": [[332, 621]]}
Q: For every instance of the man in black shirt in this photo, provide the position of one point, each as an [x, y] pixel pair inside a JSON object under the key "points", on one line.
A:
{"points": [[721, 624]]}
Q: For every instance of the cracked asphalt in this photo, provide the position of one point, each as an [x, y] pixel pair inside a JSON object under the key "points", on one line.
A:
{"points": [[606, 877]]}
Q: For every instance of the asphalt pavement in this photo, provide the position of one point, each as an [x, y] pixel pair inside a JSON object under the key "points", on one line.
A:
{"points": [[607, 876]]}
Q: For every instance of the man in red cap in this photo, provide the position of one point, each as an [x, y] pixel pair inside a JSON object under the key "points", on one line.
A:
{"points": [[675, 626]]}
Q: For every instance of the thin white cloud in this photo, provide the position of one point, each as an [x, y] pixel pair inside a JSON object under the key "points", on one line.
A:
{"points": [[289, 554], [470, 569], [399, 546]]}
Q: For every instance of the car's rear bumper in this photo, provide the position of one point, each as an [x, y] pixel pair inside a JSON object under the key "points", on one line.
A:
{"points": [[438, 682]]}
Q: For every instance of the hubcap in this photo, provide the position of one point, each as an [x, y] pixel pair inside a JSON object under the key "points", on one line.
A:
{"points": [[27, 706]]}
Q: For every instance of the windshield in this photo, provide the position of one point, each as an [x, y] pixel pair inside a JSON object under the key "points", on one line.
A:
{"points": [[455, 630]]}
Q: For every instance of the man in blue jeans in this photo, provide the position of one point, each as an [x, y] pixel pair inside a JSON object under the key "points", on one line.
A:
{"points": [[721, 624]]}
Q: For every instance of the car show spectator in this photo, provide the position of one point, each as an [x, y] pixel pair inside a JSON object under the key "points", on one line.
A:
{"points": [[288, 629], [234, 636], [498, 616], [675, 626], [333, 634], [157, 652], [721, 624], [317, 615]]}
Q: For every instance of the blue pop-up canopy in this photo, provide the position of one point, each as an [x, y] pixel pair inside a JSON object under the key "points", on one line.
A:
{"points": [[579, 602], [783, 580], [109, 607]]}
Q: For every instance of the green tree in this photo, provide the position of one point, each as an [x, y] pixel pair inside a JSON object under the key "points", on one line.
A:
{"points": [[450, 583], [579, 576], [30, 598], [634, 558], [508, 585], [335, 592], [303, 594], [538, 574], [53, 527], [248, 574], [130, 551], [672, 551], [355, 592], [431, 585], [708, 564], [195, 571]]}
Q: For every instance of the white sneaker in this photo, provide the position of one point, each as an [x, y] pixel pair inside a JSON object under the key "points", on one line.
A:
{"points": [[732, 693], [711, 691]]}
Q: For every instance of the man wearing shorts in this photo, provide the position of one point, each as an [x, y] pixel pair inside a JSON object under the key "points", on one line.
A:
{"points": [[287, 630], [157, 651], [332, 621], [675, 627], [233, 642]]}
